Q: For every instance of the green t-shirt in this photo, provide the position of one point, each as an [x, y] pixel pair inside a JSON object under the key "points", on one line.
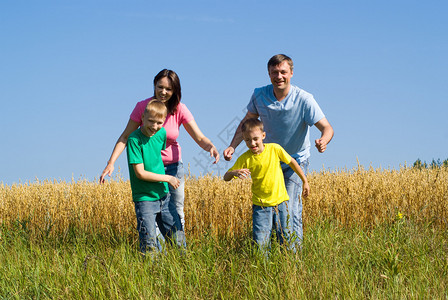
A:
{"points": [[146, 150], [268, 184]]}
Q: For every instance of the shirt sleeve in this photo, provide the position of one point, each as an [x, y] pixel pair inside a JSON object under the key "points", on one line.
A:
{"points": [[251, 106], [164, 138], [239, 164], [313, 112], [282, 154], [134, 151], [185, 115], [138, 111]]}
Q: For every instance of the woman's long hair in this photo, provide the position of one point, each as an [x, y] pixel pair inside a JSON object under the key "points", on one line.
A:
{"points": [[172, 103]]}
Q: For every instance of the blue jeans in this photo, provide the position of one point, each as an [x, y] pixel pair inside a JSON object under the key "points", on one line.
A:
{"points": [[177, 196], [293, 185], [267, 218], [152, 214]]}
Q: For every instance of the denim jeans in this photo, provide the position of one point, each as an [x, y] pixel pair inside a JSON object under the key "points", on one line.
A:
{"points": [[265, 219], [152, 214], [293, 185], [177, 196]]}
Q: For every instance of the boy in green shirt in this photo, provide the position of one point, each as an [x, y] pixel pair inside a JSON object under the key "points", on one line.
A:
{"points": [[269, 196], [149, 182]]}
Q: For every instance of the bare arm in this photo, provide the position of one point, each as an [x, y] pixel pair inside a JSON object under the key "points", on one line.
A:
{"points": [[120, 145], [238, 137], [296, 168], [193, 130], [142, 174], [241, 173], [327, 133]]}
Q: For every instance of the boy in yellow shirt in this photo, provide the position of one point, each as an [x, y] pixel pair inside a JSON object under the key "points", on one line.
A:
{"points": [[269, 196]]}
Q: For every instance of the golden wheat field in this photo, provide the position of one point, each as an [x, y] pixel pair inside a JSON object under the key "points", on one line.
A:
{"points": [[347, 197]]}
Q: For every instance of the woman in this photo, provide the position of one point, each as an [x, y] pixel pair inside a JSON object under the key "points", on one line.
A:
{"points": [[166, 89]]}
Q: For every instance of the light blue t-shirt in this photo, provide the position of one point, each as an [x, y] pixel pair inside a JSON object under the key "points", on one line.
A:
{"points": [[287, 122]]}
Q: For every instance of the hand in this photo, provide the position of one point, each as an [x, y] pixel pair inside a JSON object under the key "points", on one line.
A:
{"points": [[107, 171], [242, 173], [214, 153], [321, 145], [228, 153], [305, 190], [174, 182]]}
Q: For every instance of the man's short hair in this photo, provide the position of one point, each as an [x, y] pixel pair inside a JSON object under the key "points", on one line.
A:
{"points": [[251, 124], [156, 108], [278, 59]]}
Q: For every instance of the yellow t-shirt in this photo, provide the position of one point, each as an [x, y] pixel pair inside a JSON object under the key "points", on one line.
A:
{"points": [[268, 184]]}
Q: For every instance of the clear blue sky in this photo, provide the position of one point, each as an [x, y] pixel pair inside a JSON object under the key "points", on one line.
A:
{"points": [[72, 71]]}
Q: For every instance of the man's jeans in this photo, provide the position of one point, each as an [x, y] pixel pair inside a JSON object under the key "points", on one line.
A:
{"points": [[293, 185], [272, 217], [150, 213]]}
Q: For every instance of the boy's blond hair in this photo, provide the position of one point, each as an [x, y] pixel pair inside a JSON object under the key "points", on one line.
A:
{"points": [[250, 124], [156, 109]]}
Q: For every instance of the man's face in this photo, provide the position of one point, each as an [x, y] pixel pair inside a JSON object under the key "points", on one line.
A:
{"points": [[254, 140], [280, 75], [151, 124]]}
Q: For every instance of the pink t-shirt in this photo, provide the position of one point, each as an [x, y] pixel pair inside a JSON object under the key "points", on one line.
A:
{"points": [[172, 153]]}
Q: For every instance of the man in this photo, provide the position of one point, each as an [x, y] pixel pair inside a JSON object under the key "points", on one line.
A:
{"points": [[287, 113]]}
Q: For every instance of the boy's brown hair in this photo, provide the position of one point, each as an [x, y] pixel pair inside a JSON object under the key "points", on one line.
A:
{"points": [[250, 124]]}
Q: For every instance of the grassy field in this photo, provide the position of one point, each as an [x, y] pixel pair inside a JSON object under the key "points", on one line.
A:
{"points": [[378, 234]]}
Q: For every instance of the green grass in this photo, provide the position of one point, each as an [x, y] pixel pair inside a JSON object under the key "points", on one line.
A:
{"points": [[398, 261]]}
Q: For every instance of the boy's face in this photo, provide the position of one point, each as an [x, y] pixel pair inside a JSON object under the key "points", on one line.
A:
{"points": [[151, 124], [254, 140]]}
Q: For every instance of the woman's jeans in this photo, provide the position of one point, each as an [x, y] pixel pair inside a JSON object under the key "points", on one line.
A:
{"points": [[177, 196], [293, 185], [153, 214]]}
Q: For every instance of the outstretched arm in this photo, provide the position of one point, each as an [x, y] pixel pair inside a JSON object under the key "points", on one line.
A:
{"points": [[327, 133], [238, 137], [193, 130], [118, 149], [142, 174], [296, 168]]}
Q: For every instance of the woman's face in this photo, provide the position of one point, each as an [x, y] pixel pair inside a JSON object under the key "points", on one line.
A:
{"points": [[163, 89]]}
